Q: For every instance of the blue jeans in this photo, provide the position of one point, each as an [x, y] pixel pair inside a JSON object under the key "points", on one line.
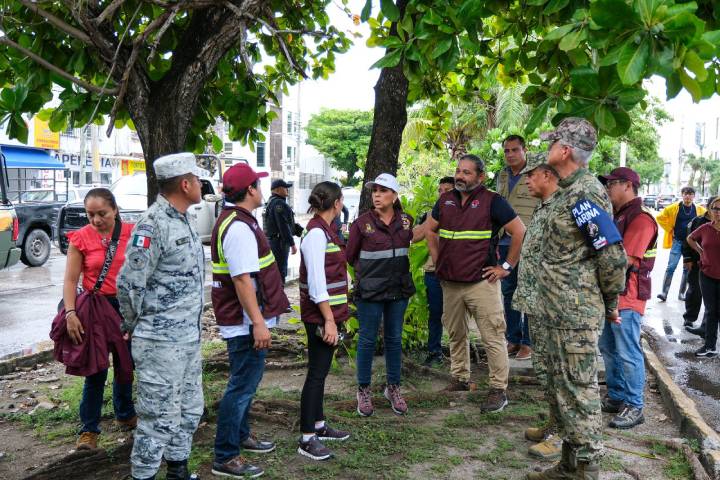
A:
{"points": [[675, 257], [246, 370], [435, 306], [92, 401], [624, 363], [370, 314], [517, 328]]}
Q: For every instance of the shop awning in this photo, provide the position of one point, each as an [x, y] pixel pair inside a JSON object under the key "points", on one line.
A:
{"points": [[28, 157]]}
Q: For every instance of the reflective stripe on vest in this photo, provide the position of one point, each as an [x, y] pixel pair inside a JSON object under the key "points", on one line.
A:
{"points": [[337, 299], [221, 267], [304, 286], [465, 234], [397, 252], [650, 253], [267, 260], [332, 248]]}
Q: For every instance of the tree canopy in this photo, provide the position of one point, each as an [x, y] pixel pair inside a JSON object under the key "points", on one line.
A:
{"points": [[343, 137], [168, 68]]}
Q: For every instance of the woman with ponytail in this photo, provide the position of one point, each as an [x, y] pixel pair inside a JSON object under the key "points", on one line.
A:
{"points": [[86, 255], [323, 305]]}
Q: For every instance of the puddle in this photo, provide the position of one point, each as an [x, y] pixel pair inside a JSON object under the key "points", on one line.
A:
{"points": [[701, 383]]}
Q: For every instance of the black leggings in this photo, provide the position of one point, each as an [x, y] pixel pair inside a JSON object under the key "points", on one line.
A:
{"points": [[320, 356], [711, 297]]}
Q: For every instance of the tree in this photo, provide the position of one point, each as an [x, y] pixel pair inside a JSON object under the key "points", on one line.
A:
{"points": [[342, 136], [585, 59], [167, 68]]}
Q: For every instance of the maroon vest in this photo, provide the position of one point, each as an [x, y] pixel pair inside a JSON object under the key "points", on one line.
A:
{"points": [[270, 294], [465, 233], [335, 277], [623, 218]]}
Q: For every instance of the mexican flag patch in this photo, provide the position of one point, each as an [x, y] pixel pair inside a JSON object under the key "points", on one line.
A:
{"points": [[141, 241]]}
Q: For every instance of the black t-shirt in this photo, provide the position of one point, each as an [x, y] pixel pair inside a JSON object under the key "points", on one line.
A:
{"points": [[684, 217], [501, 213]]}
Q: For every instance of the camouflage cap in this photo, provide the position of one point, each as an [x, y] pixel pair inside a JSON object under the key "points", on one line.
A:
{"points": [[534, 160], [176, 164], [574, 131]]}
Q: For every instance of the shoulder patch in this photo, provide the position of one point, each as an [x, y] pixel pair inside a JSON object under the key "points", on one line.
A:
{"points": [[596, 224], [138, 260], [145, 229], [405, 222], [141, 241]]}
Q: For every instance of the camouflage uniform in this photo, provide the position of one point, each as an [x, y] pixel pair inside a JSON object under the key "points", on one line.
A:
{"points": [[160, 290], [578, 287]]}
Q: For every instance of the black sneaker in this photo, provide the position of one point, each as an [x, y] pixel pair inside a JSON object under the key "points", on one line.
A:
{"points": [[628, 418], [433, 360], [495, 401], [252, 444], [699, 331], [314, 449], [609, 405], [236, 468], [329, 433], [706, 352]]}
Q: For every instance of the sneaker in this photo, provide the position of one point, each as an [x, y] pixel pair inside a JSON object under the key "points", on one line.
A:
{"points": [[364, 401], [681, 297], [706, 352], [699, 331], [609, 405], [525, 353], [87, 441], [459, 386], [252, 444], [397, 402], [512, 349], [495, 401], [238, 467], [433, 360], [127, 424], [549, 449], [628, 418], [329, 433], [314, 449]]}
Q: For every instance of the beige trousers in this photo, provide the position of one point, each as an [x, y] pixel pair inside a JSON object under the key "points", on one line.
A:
{"points": [[483, 302]]}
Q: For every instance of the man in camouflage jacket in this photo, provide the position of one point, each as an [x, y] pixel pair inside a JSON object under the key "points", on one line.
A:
{"points": [[578, 291]]}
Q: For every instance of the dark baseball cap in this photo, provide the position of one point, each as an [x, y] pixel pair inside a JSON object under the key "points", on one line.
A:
{"points": [[280, 183], [621, 173], [239, 177]]}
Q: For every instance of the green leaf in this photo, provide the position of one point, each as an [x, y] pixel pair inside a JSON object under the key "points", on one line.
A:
{"points": [[559, 32], [217, 143], [630, 97], [612, 13], [58, 120], [681, 26], [622, 122], [604, 118], [612, 56], [442, 47], [572, 41], [21, 91], [389, 60], [366, 11], [633, 60], [7, 99], [709, 85], [44, 114], [712, 37], [691, 85], [673, 86], [585, 81], [646, 9], [536, 3], [538, 116], [17, 128], [390, 10], [696, 65], [555, 6]]}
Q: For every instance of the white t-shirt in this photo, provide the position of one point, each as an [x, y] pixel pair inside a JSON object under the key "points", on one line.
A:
{"points": [[240, 248], [312, 248]]}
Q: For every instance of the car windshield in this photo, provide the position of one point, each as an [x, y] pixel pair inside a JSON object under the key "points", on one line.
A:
{"points": [[131, 185], [37, 196]]}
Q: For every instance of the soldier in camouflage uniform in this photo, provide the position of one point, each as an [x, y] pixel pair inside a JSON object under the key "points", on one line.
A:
{"points": [[542, 181], [578, 291], [160, 290]]}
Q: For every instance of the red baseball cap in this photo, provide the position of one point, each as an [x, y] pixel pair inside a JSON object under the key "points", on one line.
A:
{"points": [[239, 177], [621, 173]]}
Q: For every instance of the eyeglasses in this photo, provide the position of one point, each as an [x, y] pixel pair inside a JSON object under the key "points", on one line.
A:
{"points": [[613, 182], [715, 209]]}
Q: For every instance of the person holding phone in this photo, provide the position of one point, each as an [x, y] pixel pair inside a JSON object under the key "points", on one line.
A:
{"points": [[323, 305]]}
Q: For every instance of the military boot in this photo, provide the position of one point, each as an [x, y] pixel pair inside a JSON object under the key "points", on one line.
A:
{"points": [[587, 471], [666, 287], [178, 470], [560, 471]]}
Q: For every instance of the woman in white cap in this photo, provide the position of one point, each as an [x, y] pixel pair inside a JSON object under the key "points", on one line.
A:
{"points": [[378, 250]]}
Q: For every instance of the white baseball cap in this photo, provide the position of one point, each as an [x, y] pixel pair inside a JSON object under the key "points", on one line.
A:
{"points": [[385, 180]]}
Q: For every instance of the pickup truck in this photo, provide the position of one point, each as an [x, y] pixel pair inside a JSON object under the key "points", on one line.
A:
{"points": [[9, 226]]}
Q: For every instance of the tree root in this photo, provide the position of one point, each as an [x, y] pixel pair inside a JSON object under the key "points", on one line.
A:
{"points": [[82, 461]]}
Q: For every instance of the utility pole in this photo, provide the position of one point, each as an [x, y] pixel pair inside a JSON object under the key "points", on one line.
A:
{"points": [[83, 154], [95, 149]]}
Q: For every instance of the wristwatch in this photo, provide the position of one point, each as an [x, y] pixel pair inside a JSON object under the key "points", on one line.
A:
{"points": [[507, 267]]}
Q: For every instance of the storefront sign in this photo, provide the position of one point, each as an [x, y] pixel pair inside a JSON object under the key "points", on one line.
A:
{"points": [[129, 167], [44, 137], [73, 160]]}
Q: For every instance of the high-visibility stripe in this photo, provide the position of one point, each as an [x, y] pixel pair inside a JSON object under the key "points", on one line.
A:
{"points": [[220, 268], [397, 252], [332, 248], [267, 260], [221, 230], [329, 286], [337, 299], [465, 234], [650, 254]]}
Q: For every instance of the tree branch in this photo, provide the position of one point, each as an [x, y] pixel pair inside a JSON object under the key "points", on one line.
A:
{"points": [[4, 40], [55, 21], [161, 32], [109, 11]]}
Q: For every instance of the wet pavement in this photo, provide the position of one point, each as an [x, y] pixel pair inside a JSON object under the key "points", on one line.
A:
{"points": [[698, 377]]}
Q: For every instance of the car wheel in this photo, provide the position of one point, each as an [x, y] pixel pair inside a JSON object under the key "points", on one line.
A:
{"points": [[36, 248]]}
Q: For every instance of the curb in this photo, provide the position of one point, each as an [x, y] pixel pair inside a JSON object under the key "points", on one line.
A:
{"points": [[27, 361], [685, 414]]}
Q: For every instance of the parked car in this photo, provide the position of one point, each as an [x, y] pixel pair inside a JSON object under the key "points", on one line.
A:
{"points": [[9, 225], [665, 200], [131, 196], [649, 201]]}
